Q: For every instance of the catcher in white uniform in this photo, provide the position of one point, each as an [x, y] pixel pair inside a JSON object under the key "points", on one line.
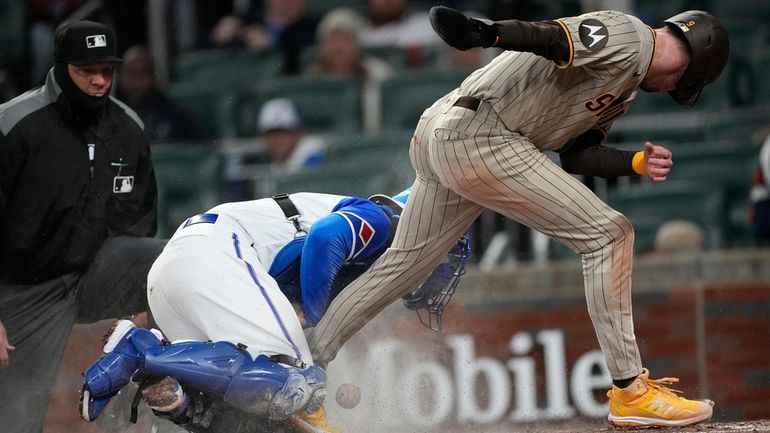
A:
{"points": [[558, 86]]}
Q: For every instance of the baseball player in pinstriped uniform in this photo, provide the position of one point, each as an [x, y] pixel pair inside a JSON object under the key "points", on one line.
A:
{"points": [[559, 86]]}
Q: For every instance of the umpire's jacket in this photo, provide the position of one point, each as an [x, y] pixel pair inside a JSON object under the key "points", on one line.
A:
{"points": [[67, 184]]}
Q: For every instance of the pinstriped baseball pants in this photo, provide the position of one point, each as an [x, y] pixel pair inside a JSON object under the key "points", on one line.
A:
{"points": [[466, 161]]}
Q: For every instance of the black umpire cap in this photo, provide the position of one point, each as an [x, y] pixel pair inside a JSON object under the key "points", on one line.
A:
{"points": [[85, 43]]}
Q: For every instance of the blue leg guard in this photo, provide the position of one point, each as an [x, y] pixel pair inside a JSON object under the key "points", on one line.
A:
{"points": [[106, 376], [258, 386], [112, 372]]}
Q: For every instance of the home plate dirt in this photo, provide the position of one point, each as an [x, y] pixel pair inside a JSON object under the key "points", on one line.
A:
{"points": [[714, 427], [585, 426]]}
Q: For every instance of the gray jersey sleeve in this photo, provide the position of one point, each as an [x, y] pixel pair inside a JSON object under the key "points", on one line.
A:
{"points": [[607, 40]]}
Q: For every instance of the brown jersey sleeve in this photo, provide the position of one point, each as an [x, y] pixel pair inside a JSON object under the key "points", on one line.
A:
{"points": [[544, 38], [587, 156]]}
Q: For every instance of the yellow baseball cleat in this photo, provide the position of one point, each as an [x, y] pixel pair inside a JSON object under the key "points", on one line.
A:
{"points": [[649, 402]]}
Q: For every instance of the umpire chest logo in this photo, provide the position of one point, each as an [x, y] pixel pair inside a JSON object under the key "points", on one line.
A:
{"points": [[593, 34], [122, 184]]}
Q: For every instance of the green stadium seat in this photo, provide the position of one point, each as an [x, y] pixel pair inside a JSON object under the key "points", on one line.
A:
{"points": [[344, 179], [649, 206], [383, 153], [325, 104], [406, 95], [731, 167], [234, 66], [189, 182], [221, 111], [379, 148]]}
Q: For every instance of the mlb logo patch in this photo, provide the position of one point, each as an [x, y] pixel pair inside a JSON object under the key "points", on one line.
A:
{"points": [[123, 184], [96, 41]]}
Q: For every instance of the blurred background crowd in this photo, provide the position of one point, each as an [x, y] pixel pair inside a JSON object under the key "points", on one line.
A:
{"points": [[243, 99]]}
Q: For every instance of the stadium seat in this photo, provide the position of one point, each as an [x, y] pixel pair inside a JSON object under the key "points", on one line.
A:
{"points": [[648, 206], [221, 111], [345, 179], [379, 148], [731, 167], [406, 95], [726, 162], [385, 152], [325, 104], [233, 65], [189, 182]]}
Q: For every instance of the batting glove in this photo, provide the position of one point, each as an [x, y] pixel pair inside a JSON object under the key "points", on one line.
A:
{"points": [[462, 32]]}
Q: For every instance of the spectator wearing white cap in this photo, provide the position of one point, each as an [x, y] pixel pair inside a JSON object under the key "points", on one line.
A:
{"points": [[340, 54], [287, 144]]}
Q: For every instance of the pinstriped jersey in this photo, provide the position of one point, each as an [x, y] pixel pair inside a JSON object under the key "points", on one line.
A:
{"points": [[550, 103]]}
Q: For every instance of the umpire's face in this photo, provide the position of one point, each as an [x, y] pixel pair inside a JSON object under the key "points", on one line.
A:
{"points": [[94, 79]]}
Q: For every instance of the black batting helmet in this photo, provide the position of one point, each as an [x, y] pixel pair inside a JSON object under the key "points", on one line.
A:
{"points": [[709, 48]]}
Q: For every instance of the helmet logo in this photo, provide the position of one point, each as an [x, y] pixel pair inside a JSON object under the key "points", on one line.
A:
{"points": [[593, 34], [685, 27]]}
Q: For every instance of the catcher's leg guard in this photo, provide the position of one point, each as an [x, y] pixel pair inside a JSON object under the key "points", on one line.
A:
{"points": [[255, 386], [124, 350], [124, 356]]}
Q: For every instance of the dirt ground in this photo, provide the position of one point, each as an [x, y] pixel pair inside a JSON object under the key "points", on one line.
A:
{"points": [[717, 427], [714, 427]]}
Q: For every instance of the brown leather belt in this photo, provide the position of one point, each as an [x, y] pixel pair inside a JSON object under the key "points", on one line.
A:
{"points": [[468, 102]]}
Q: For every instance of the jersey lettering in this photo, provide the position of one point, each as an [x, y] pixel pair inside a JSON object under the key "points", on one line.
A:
{"points": [[600, 103]]}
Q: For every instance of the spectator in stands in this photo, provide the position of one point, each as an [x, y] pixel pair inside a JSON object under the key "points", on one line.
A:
{"points": [[339, 54], [286, 148], [760, 197], [679, 236], [284, 26], [391, 23], [163, 119], [287, 144]]}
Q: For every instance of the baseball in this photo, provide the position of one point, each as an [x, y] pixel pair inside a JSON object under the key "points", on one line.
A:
{"points": [[348, 395]]}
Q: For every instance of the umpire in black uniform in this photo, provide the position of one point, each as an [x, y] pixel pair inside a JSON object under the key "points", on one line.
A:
{"points": [[78, 212]]}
